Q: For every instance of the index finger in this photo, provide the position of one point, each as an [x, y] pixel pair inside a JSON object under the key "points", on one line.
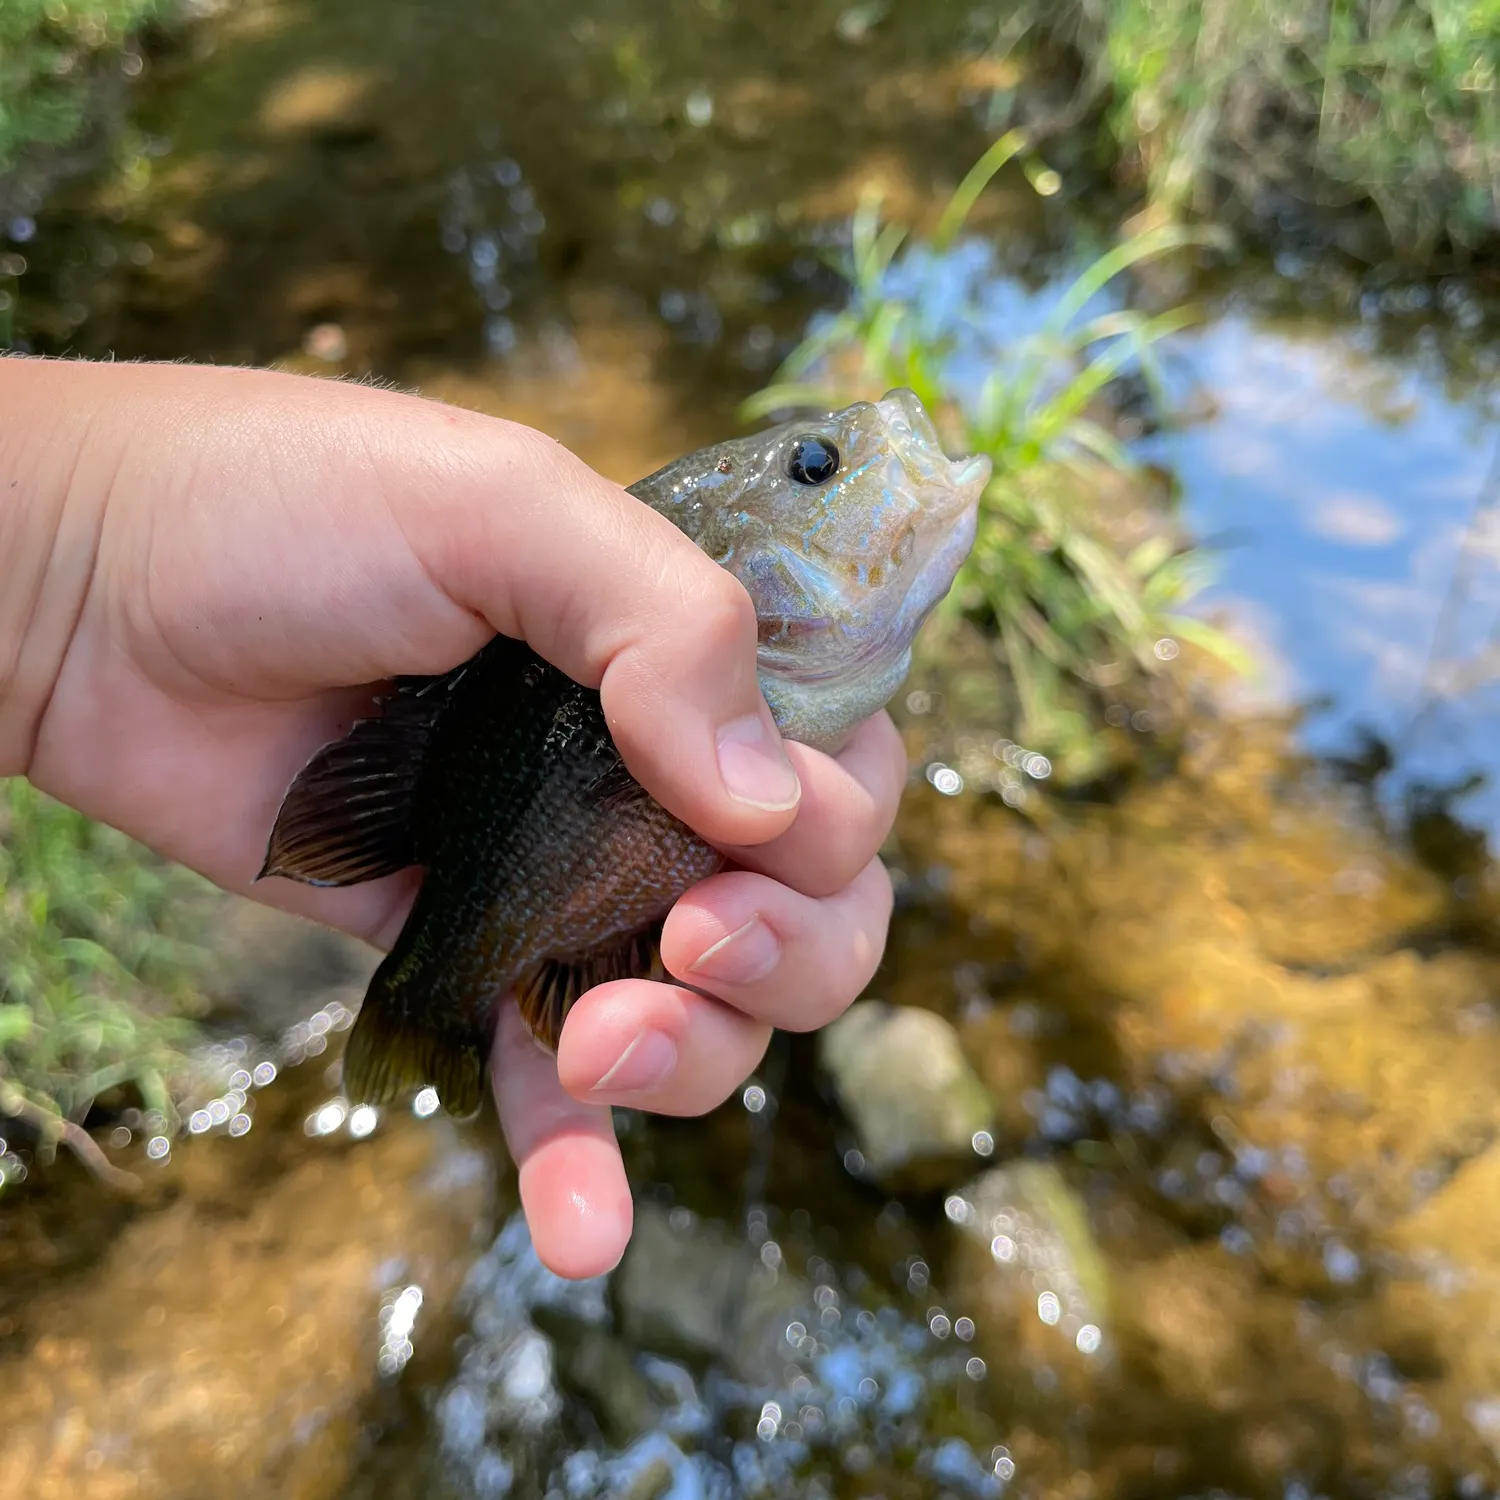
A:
{"points": [[324, 535], [515, 527]]}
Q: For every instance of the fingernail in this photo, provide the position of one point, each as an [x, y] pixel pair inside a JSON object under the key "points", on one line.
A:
{"points": [[646, 1063], [754, 765], [747, 954]]}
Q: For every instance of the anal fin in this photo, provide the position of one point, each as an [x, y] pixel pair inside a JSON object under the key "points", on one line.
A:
{"points": [[395, 1048], [547, 993]]}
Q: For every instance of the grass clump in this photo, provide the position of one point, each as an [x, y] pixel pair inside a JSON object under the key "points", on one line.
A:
{"points": [[1394, 103], [51, 53], [1077, 619], [98, 962]]}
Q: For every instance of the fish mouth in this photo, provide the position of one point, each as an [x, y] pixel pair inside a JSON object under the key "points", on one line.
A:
{"points": [[908, 423], [971, 473], [914, 439], [960, 482]]}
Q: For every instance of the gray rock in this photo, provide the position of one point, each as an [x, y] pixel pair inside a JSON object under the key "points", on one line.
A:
{"points": [[903, 1080], [1031, 1273], [599, 1368], [695, 1293], [1032, 1221], [272, 969]]}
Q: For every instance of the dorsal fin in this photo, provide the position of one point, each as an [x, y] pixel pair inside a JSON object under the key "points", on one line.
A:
{"points": [[347, 816]]}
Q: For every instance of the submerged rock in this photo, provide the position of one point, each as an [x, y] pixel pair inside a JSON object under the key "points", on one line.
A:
{"points": [[915, 1103], [602, 1371], [272, 969], [1029, 1265], [496, 1422], [700, 1295]]}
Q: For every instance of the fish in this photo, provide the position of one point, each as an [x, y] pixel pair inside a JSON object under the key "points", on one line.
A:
{"points": [[547, 868]]}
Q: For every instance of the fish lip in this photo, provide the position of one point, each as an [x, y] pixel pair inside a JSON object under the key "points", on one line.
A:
{"points": [[902, 409], [974, 470], [912, 426]]}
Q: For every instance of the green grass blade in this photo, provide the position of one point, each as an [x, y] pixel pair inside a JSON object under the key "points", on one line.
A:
{"points": [[968, 192]]}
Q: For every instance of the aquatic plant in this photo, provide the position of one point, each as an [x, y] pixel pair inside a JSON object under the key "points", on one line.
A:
{"points": [[50, 55], [1386, 102], [1076, 617], [98, 958]]}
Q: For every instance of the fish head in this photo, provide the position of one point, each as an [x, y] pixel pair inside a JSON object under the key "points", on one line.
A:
{"points": [[846, 530]]}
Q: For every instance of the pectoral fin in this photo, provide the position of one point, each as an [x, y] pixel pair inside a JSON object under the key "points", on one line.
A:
{"points": [[615, 790]]}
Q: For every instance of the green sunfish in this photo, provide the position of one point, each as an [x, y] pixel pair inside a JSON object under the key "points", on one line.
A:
{"points": [[548, 869]]}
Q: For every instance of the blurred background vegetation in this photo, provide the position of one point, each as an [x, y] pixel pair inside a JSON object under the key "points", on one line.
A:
{"points": [[1075, 618], [1251, 106], [56, 57], [100, 959], [1266, 106]]}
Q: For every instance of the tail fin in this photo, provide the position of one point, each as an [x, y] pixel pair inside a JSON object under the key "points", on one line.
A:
{"points": [[403, 1041]]}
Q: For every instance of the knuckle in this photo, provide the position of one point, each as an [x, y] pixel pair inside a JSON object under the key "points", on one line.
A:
{"points": [[874, 899], [875, 883], [844, 969], [897, 761], [842, 852], [724, 614]]}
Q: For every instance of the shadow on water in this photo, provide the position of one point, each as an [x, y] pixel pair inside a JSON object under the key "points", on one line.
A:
{"points": [[1227, 1223]]}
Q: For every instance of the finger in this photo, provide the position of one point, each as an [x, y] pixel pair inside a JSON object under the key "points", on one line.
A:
{"points": [[849, 803], [522, 532], [572, 1178], [775, 955], [657, 1047]]}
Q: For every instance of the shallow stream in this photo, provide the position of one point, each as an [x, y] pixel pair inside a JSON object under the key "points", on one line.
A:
{"points": [[1234, 1227]]}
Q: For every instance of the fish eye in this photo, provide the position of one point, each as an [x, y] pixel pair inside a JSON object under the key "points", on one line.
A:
{"points": [[814, 460]]}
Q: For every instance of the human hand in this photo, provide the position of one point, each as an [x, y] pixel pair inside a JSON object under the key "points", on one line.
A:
{"points": [[202, 574]]}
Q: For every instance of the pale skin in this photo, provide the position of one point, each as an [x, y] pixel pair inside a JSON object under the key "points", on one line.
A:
{"points": [[202, 573]]}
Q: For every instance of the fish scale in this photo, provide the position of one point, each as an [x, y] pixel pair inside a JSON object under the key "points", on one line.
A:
{"points": [[502, 897]]}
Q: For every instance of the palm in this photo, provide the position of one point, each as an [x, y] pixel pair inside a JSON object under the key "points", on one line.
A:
{"points": [[204, 722]]}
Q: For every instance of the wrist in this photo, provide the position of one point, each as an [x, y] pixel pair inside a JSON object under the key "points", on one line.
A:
{"points": [[52, 491]]}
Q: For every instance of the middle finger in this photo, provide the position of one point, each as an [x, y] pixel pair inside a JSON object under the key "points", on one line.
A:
{"points": [[775, 955]]}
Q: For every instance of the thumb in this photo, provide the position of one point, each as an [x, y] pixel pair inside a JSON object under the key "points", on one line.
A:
{"points": [[511, 525]]}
